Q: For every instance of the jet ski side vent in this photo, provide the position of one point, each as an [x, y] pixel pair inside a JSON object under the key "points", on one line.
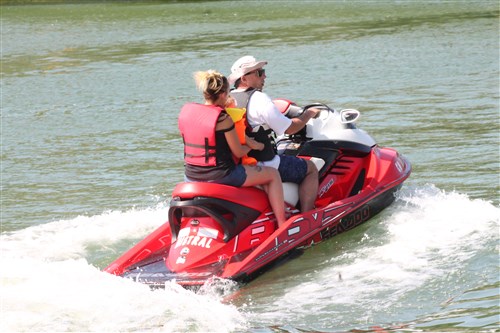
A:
{"points": [[358, 185]]}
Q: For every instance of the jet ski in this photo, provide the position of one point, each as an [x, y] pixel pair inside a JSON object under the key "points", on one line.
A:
{"points": [[222, 232]]}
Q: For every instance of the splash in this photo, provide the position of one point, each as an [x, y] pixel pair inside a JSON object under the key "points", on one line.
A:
{"points": [[416, 252], [49, 282], [71, 239], [48, 285]]}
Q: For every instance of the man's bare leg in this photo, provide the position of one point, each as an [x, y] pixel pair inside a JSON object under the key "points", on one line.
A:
{"points": [[308, 189]]}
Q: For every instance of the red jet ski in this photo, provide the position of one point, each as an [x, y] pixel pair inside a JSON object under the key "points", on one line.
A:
{"points": [[219, 231]]}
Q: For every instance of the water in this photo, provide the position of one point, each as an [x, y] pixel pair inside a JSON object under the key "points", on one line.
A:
{"points": [[90, 95]]}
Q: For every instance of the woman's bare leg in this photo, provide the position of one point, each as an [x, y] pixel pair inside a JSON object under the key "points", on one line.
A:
{"points": [[270, 178]]}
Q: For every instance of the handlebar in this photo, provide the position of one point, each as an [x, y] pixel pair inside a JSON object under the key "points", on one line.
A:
{"points": [[295, 111]]}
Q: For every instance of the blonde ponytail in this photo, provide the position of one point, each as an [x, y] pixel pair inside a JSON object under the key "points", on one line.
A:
{"points": [[211, 83]]}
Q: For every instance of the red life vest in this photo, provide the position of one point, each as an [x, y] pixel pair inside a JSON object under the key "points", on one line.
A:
{"points": [[197, 126]]}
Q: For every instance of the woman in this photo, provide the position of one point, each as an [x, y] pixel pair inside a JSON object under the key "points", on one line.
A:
{"points": [[212, 149]]}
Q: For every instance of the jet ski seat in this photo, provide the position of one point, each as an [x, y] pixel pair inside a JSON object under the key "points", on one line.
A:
{"points": [[234, 208], [291, 190]]}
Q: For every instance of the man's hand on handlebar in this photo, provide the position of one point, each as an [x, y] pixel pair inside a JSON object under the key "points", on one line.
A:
{"points": [[314, 112]]}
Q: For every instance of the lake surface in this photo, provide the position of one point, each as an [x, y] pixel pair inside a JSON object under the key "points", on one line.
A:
{"points": [[90, 151]]}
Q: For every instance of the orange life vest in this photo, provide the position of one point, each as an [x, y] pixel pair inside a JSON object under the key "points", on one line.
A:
{"points": [[239, 118]]}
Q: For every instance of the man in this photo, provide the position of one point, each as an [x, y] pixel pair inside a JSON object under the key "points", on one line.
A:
{"points": [[248, 77]]}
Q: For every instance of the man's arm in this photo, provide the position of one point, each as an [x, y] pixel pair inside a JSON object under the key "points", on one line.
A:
{"points": [[299, 122]]}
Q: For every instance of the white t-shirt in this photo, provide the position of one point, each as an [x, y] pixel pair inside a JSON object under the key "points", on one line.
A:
{"points": [[261, 110]]}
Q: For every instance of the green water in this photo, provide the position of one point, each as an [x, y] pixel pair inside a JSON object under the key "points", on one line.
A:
{"points": [[90, 95]]}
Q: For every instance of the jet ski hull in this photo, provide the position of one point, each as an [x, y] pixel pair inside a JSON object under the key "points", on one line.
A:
{"points": [[216, 231]]}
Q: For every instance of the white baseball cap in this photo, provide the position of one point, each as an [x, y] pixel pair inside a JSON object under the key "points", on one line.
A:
{"points": [[244, 65]]}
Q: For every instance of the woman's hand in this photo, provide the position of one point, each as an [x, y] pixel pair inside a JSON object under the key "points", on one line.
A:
{"points": [[254, 144]]}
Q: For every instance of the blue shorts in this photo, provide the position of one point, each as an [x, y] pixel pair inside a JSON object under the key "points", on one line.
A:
{"points": [[292, 169], [236, 178]]}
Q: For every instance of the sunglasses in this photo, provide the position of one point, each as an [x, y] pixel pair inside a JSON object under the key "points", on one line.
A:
{"points": [[259, 72]]}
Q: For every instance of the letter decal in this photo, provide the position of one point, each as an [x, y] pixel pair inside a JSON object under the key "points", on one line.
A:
{"points": [[202, 242], [201, 237]]}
